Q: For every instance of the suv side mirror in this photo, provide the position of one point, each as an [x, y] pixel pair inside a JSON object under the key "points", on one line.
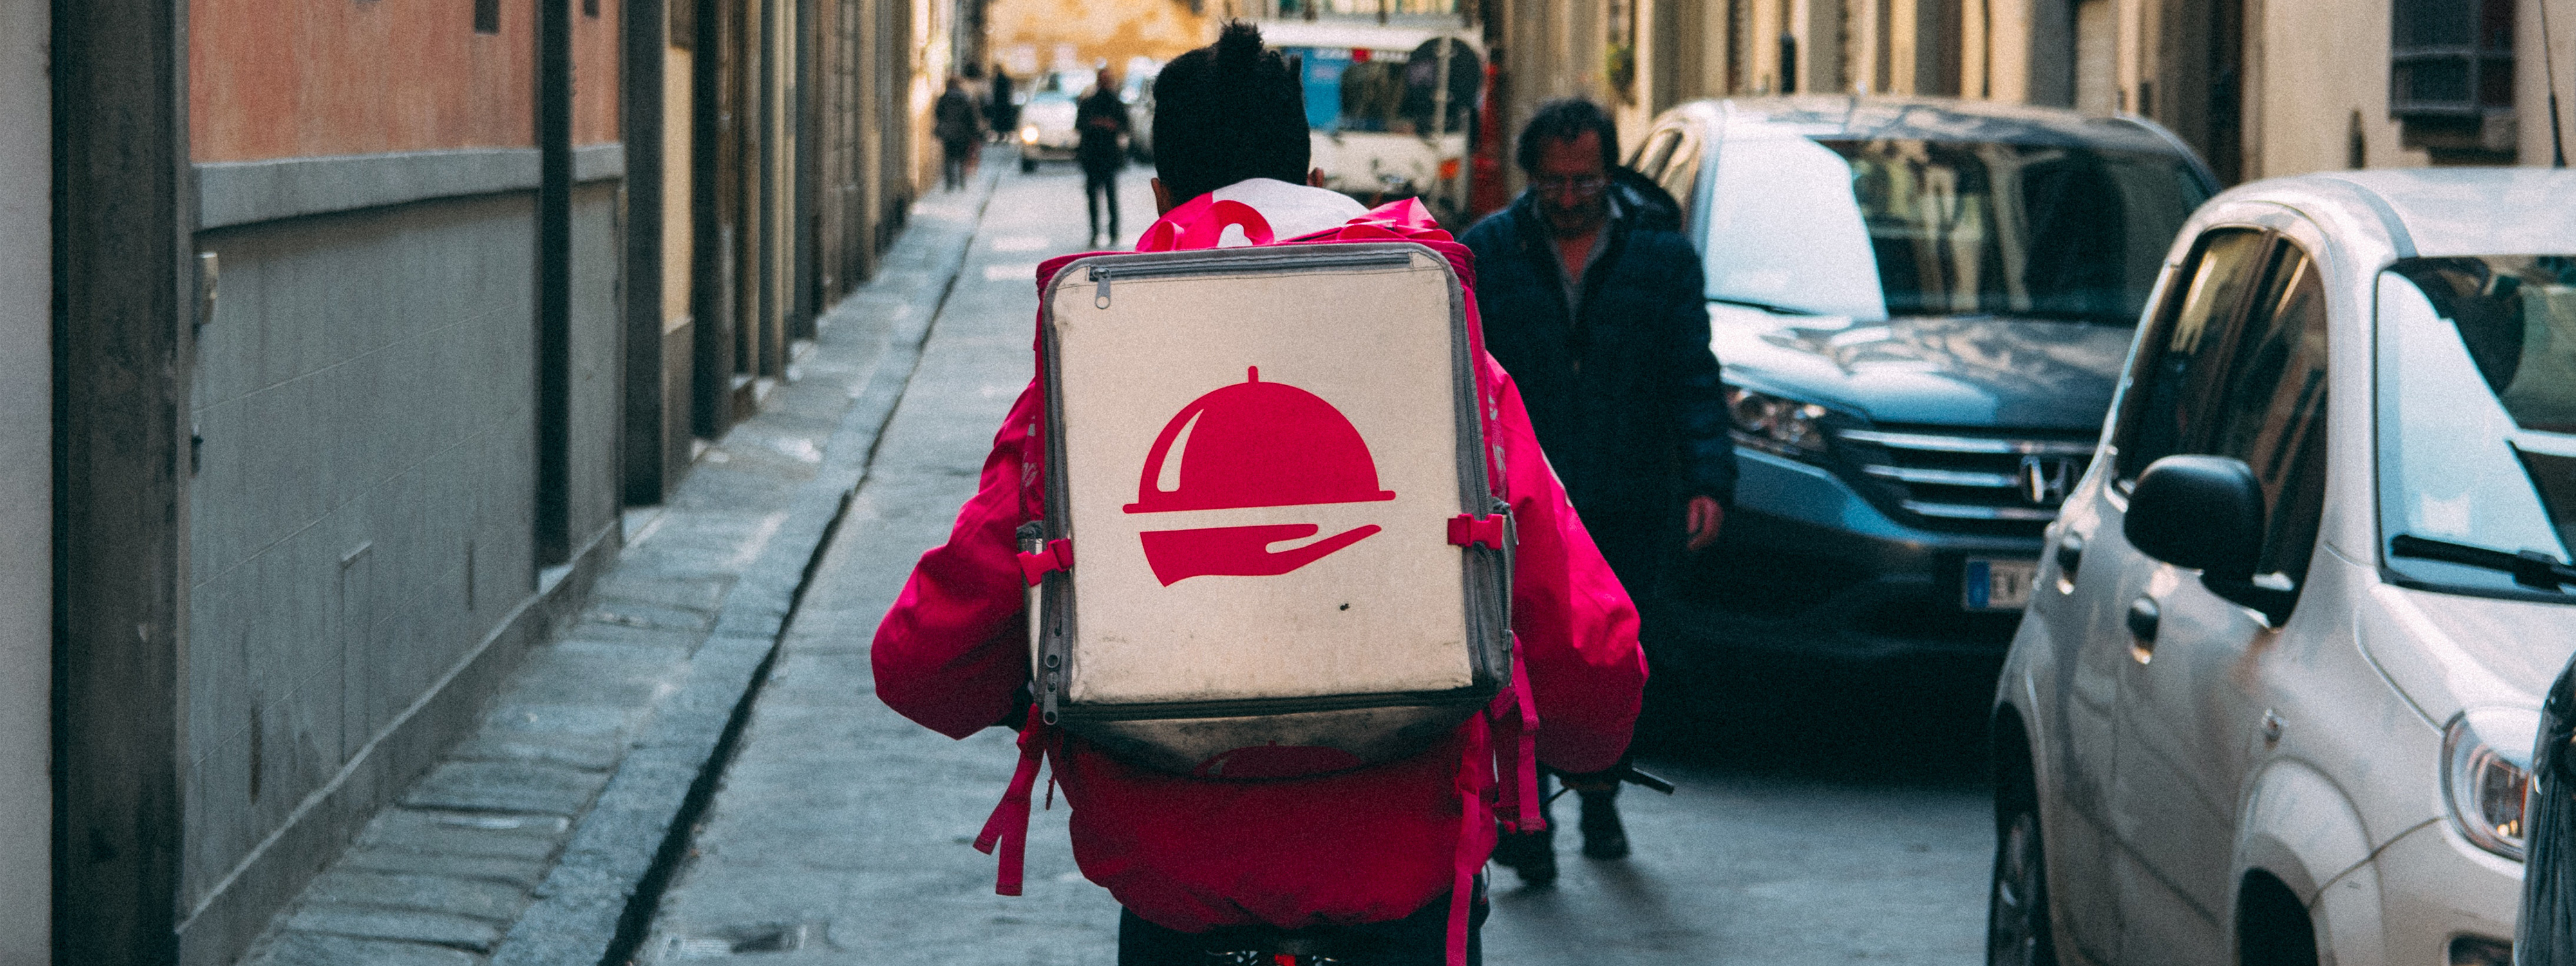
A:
{"points": [[2206, 513]]}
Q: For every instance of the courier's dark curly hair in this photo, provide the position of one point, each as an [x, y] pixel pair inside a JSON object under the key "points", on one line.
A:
{"points": [[1226, 112]]}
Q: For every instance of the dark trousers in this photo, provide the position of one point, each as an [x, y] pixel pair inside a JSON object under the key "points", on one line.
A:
{"points": [[952, 168], [1098, 187], [1421, 939]]}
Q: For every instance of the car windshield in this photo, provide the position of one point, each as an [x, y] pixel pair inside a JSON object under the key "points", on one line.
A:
{"points": [[1378, 91], [1874, 228], [2477, 416]]}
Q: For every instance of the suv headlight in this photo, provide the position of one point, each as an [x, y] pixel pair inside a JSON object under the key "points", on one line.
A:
{"points": [[1028, 134], [1782, 427], [2486, 775]]}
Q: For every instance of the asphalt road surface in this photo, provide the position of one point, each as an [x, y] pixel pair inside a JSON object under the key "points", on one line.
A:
{"points": [[1826, 813]]}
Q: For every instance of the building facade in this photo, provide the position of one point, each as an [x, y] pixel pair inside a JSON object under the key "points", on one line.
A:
{"points": [[2259, 87], [334, 340], [1030, 37]]}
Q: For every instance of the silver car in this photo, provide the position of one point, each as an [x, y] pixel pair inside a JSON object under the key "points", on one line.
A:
{"points": [[2274, 699]]}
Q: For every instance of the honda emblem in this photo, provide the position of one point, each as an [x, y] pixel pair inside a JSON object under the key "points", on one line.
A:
{"points": [[2044, 481]]}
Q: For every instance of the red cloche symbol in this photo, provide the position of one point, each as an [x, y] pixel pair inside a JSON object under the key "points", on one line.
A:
{"points": [[1252, 444]]}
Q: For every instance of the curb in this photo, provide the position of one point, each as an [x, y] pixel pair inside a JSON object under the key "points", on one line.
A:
{"points": [[595, 904]]}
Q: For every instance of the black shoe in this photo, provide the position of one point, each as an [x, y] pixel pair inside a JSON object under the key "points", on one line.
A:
{"points": [[1603, 836], [1531, 855]]}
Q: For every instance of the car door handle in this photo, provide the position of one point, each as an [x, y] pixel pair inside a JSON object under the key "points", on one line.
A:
{"points": [[2070, 554], [2143, 618]]}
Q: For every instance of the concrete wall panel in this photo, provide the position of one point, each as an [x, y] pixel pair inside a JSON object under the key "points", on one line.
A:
{"points": [[365, 394], [597, 359], [26, 482]]}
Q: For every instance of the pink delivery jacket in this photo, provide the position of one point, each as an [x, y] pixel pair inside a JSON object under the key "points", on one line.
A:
{"points": [[1369, 845]]}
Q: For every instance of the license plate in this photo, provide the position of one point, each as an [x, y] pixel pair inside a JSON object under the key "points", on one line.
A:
{"points": [[1991, 584]]}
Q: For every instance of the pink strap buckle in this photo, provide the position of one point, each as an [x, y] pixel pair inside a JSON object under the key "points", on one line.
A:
{"points": [[1468, 530], [1058, 555]]}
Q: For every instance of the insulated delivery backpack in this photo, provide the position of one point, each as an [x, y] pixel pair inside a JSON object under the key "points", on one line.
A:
{"points": [[1269, 546]]}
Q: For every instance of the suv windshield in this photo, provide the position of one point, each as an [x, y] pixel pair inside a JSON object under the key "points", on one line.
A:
{"points": [[1880, 227], [2477, 419]]}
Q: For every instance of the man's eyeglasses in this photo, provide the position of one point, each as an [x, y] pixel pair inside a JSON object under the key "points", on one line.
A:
{"points": [[1580, 185]]}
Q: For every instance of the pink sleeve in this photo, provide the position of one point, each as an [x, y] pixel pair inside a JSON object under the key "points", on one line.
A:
{"points": [[954, 649], [1577, 628]]}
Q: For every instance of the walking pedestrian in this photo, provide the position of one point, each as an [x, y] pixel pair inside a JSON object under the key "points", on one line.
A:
{"points": [[955, 122], [1371, 856], [1593, 301], [1102, 121], [998, 112]]}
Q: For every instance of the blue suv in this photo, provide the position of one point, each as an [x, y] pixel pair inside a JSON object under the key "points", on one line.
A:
{"points": [[1922, 307]]}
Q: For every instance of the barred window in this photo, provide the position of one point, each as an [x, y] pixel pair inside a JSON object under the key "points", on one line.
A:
{"points": [[2451, 58]]}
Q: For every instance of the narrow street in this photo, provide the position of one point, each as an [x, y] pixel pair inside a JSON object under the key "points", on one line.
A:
{"points": [[1825, 814]]}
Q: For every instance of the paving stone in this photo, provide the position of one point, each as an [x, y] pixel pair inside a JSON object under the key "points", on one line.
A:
{"points": [[594, 674], [312, 949], [408, 925], [700, 593], [636, 613], [587, 752], [468, 833], [521, 872], [583, 719], [475, 898], [628, 633], [503, 786]]}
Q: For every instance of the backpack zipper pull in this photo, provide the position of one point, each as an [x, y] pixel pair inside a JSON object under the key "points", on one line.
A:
{"points": [[1100, 295]]}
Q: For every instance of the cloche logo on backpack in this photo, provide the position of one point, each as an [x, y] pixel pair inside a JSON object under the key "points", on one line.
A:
{"points": [[1226, 450]]}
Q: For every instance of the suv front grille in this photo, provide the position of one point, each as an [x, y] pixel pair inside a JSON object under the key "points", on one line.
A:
{"points": [[1953, 480]]}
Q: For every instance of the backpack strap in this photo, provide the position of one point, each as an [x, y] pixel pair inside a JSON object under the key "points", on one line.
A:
{"points": [[1515, 728], [1009, 825], [1202, 222], [1475, 835]]}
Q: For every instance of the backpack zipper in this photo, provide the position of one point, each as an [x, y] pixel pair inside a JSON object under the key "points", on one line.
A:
{"points": [[1100, 275]]}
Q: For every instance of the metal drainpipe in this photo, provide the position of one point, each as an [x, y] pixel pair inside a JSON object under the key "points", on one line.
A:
{"points": [[554, 280]]}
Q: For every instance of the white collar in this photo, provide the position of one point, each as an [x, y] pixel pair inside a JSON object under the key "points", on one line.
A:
{"points": [[1291, 209]]}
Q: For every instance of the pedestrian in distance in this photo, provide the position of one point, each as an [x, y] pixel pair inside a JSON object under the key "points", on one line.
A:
{"points": [[957, 125], [1378, 861], [998, 112], [1102, 121], [1593, 301]]}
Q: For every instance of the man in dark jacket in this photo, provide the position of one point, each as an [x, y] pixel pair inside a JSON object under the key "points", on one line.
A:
{"points": [[999, 111], [1102, 121], [1593, 301], [956, 124]]}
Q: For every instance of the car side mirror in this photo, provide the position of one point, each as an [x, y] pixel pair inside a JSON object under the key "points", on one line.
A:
{"points": [[2201, 512], [2206, 513]]}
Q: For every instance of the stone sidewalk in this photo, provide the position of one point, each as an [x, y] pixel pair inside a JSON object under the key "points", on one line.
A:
{"points": [[839, 832], [528, 841]]}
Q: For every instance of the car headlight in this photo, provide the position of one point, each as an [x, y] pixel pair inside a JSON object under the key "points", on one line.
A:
{"points": [[1774, 425], [2486, 775], [1028, 134]]}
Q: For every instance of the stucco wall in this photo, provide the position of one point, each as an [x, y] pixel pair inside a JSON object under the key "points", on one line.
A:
{"points": [[26, 482], [2322, 62], [366, 395], [333, 77], [594, 72], [1030, 31]]}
